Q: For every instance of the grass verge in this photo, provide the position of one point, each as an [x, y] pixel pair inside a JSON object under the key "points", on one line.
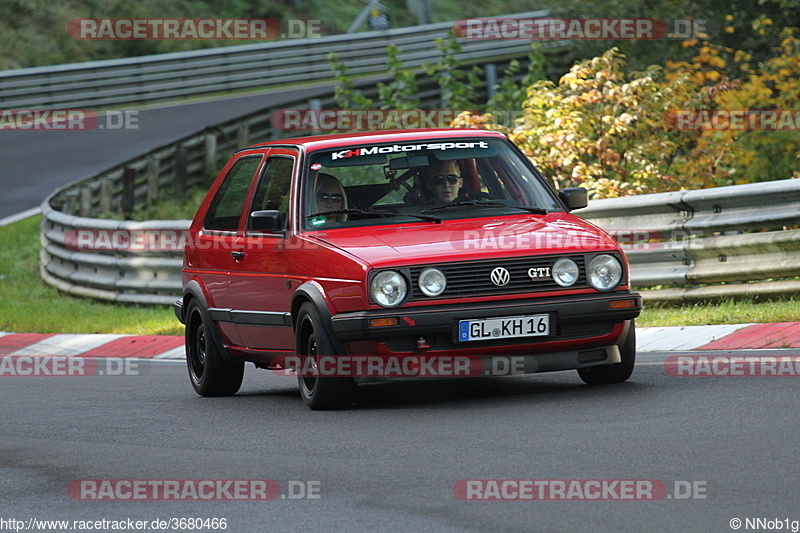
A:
{"points": [[30, 305], [724, 312]]}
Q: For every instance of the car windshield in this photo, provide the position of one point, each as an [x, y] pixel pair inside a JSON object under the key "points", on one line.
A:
{"points": [[423, 181]]}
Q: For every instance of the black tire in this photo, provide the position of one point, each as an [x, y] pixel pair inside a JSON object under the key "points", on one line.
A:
{"points": [[617, 373], [311, 340], [210, 374]]}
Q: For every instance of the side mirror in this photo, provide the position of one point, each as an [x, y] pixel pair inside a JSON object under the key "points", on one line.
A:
{"points": [[574, 197], [267, 220]]}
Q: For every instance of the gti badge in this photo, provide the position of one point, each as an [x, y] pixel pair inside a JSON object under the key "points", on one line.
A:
{"points": [[539, 273]]}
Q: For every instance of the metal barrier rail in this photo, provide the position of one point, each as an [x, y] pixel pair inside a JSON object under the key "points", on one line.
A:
{"points": [[162, 77], [741, 238], [124, 275]]}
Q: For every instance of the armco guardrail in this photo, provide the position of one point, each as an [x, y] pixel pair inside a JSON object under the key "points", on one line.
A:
{"points": [[162, 77], [723, 242], [124, 275]]}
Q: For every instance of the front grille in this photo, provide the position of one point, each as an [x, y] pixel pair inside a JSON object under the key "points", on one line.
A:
{"points": [[474, 278]]}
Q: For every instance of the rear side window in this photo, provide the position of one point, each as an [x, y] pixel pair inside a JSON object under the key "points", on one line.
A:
{"points": [[227, 205]]}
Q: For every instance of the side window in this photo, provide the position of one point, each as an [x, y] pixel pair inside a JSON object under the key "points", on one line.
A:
{"points": [[273, 190], [226, 207]]}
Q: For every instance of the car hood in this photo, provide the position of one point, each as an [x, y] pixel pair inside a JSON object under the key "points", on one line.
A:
{"points": [[467, 240]]}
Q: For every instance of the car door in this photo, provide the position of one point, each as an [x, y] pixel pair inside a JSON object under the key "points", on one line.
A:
{"points": [[258, 277], [213, 251]]}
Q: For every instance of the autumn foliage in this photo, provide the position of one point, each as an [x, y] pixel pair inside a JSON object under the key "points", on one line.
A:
{"points": [[607, 129]]}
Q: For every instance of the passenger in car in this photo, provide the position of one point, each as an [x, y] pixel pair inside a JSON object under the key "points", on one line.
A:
{"points": [[442, 181], [329, 195]]}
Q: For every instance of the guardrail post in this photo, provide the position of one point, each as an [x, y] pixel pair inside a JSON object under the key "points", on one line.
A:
{"points": [[180, 169], [491, 80], [106, 196], [315, 104], [128, 191], [211, 154], [153, 164], [243, 135], [70, 204], [86, 202]]}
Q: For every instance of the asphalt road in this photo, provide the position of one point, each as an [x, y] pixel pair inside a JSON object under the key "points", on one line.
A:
{"points": [[390, 463], [34, 163]]}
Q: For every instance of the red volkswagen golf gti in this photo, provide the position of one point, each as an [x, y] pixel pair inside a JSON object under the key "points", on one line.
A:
{"points": [[371, 256]]}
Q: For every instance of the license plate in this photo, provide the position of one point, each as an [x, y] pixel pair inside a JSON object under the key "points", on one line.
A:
{"points": [[504, 328]]}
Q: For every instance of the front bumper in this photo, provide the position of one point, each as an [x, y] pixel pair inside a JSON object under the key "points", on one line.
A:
{"points": [[574, 318], [494, 366]]}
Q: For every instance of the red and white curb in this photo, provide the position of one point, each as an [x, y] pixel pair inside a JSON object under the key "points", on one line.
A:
{"points": [[719, 337], [170, 347], [98, 345]]}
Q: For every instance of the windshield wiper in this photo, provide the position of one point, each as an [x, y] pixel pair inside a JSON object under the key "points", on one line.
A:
{"points": [[534, 210], [354, 211], [484, 203], [466, 203]]}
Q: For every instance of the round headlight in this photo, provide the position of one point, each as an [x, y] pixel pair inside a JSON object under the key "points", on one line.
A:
{"points": [[432, 282], [388, 288], [565, 272], [605, 272]]}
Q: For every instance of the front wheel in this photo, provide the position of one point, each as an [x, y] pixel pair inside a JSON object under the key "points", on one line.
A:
{"points": [[312, 341], [616, 373], [209, 373]]}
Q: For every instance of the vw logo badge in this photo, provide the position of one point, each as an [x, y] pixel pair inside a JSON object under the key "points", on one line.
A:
{"points": [[500, 276]]}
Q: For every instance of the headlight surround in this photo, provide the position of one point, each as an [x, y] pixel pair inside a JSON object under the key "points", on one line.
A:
{"points": [[605, 272], [388, 288], [565, 272]]}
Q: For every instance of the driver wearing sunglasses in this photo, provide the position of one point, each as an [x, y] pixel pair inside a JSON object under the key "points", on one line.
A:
{"points": [[443, 180]]}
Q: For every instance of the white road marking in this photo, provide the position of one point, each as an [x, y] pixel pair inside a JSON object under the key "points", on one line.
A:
{"points": [[22, 215]]}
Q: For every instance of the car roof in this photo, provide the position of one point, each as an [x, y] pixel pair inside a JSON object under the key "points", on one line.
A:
{"points": [[318, 142]]}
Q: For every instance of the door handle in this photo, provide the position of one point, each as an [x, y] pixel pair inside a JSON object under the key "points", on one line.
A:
{"points": [[238, 256]]}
